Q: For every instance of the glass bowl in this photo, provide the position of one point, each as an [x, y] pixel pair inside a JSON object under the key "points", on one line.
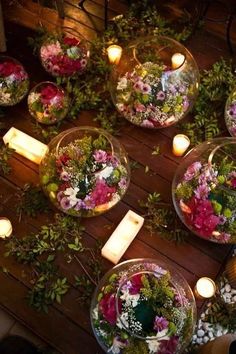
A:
{"points": [[143, 306], [64, 55], [204, 190], [48, 103], [155, 83], [14, 81], [230, 113], [85, 172]]}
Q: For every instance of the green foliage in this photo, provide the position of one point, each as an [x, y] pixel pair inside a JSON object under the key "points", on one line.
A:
{"points": [[161, 218], [136, 347], [31, 201], [215, 86], [5, 155], [184, 191]]}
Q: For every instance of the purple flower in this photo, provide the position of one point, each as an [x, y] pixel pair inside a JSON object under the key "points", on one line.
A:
{"points": [[232, 109], [79, 205], [168, 346], [160, 323], [222, 219], [123, 183], [181, 300], [65, 203], [185, 103], [60, 195], [160, 95], [202, 191], [146, 89], [138, 86], [192, 170], [100, 156]]}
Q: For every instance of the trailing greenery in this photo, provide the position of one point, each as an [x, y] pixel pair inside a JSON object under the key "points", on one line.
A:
{"points": [[161, 218], [5, 155], [31, 201], [39, 250], [215, 87]]}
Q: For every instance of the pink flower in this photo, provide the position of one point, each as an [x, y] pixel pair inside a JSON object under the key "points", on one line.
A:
{"points": [[136, 284], [65, 203], [50, 50], [202, 191], [160, 95], [100, 156], [139, 107], [192, 170], [102, 193], [146, 89], [138, 86], [107, 306], [160, 323]]}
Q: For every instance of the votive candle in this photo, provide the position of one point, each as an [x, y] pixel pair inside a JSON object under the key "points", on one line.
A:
{"points": [[114, 53], [205, 288], [5, 227], [177, 60], [180, 144]]}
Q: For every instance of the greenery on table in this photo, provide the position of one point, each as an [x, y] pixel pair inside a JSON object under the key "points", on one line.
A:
{"points": [[208, 114], [40, 251], [5, 155], [161, 218]]}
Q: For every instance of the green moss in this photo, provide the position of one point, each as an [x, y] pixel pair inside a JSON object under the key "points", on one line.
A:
{"points": [[136, 347], [184, 191]]}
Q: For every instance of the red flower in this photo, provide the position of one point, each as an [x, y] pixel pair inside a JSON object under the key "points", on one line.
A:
{"points": [[62, 161], [136, 284], [48, 93], [71, 41], [9, 67], [107, 306]]}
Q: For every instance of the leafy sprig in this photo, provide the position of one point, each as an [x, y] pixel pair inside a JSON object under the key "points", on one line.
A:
{"points": [[5, 155], [161, 218]]}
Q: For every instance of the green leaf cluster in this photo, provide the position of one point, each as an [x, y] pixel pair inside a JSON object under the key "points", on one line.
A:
{"points": [[5, 155]]}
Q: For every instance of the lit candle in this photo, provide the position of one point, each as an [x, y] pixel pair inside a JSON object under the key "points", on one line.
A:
{"points": [[5, 227], [177, 60], [122, 236], [180, 144], [205, 288], [114, 53], [25, 145]]}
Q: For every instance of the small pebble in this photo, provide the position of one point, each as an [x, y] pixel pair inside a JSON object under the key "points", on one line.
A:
{"points": [[227, 288], [210, 334], [194, 337], [199, 340], [205, 339], [200, 333]]}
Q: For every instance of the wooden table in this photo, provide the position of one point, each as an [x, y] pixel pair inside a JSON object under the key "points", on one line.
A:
{"points": [[67, 326]]}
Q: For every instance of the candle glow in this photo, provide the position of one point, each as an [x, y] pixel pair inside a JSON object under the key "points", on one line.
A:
{"points": [[5, 227], [25, 145], [114, 53], [122, 236], [177, 60], [205, 288], [180, 144]]}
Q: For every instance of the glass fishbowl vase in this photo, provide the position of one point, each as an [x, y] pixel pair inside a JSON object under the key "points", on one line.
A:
{"points": [[143, 306], [85, 172], [64, 55], [48, 103], [230, 114], [14, 81], [155, 83], [204, 190]]}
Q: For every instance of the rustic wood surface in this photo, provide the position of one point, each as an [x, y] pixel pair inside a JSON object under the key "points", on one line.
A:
{"points": [[67, 326]]}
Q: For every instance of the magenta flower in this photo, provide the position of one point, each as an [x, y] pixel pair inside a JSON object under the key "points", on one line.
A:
{"points": [[160, 323], [107, 306], [100, 156], [192, 170], [146, 89], [160, 95], [102, 193], [136, 284], [169, 346]]}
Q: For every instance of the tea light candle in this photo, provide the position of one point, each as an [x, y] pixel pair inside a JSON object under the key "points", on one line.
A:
{"points": [[205, 288], [122, 236], [5, 227], [114, 53], [177, 60], [180, 144], [25, 145]]}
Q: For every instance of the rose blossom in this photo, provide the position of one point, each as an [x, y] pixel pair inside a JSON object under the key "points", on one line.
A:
{"points": [[100, 156], [71, 41], [50, 50], [107, 306], [136, 284], [160, 323], [48, 93]]}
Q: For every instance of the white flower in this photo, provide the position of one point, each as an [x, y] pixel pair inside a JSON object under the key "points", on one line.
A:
{"points": [[105, 173], [130, 300], [71, 193], [33, 97], [72, 52], [154, 341], [95, 313], [123, 320], [122, 84]]}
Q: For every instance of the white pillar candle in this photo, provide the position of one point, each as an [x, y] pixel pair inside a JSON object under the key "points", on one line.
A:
{"points": [[25, 145], [122, 236], [180, 144], [5, 227], [114, 53], [177, 60], [205, 288]]}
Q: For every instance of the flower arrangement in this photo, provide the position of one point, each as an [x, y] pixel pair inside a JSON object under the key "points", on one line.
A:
{"points": [[14, 81], [64, 56], [48, 103], [206, 197], [139, 310], [154, 96], [84, 177], [230, 114]]}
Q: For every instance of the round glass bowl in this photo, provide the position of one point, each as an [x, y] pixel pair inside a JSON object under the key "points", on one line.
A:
{"points": [[48, 103], [14, 81], [85, 172], [64, 56], [204, 190], [230, 114], [143, 306], [155, 83]]}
